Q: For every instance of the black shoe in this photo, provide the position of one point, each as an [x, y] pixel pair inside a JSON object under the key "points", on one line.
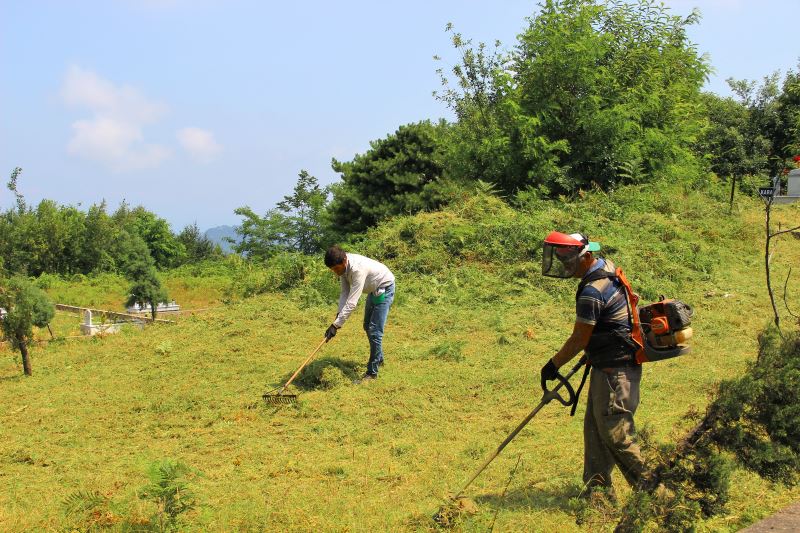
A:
{"points": [[367, 376]]}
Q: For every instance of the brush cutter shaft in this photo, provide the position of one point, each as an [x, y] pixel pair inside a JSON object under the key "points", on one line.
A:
{"points": [[547, 397], [302, 366]]}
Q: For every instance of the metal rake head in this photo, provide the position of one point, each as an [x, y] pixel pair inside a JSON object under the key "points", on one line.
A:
{"points": [[280, 399]]}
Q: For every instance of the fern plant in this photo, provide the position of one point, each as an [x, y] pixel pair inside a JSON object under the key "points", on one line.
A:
{"points": [[82, 501], [170, 492], [488, 188], [88, 510]]}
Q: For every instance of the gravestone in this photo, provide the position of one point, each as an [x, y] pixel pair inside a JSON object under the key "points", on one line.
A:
{"points": [[793, 183], [88, 328], [792, 188], [162, 307]]}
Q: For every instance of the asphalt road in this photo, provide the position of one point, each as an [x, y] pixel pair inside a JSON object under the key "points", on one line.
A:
{"points": [[786, 520]]}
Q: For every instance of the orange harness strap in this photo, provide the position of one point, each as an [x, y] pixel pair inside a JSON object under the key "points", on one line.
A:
{"points": [[636, 329]]}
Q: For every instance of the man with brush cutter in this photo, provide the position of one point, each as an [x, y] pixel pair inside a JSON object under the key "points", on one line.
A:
{"points": [[603, 331], [617, 336], [359, 274]]}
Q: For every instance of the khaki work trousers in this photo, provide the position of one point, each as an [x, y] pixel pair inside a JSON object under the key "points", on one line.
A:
{"points": [[608, 429]]}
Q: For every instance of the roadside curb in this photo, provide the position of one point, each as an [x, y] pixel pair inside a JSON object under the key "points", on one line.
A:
{"points": [[786, 520]]}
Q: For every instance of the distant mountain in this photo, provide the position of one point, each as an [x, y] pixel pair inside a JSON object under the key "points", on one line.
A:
{"points": [[219, 235]]}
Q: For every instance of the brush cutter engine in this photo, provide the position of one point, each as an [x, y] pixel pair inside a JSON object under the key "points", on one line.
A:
{"points": [[666, 325]]}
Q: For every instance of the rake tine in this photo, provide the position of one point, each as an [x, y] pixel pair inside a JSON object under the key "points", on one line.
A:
{"points": [[280, 399]]}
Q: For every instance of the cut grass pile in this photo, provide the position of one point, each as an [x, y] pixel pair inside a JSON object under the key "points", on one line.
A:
{"points": [[472, 324]]}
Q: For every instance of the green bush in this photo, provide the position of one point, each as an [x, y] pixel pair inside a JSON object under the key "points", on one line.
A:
{"points": [[282, 272], [754, 419]]}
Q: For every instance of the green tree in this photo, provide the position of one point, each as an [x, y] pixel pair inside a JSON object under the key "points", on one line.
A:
{"points": [[770, 130], [140, 269], [786, 136], [296, 224], [13, 251], [164, 247], [260, 237], [304, 210], [198, 247], [26, 306], [12, 186], [401, 174], [763, 122], [732, 146], [594, 93], [492, 141], [146, 288], [101, 232], [56, 239]]}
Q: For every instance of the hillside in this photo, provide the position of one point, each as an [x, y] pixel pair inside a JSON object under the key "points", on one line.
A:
{"points": [[472, 324]]}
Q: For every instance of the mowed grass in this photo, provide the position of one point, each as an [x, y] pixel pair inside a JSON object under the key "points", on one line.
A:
{"points": [[459, 375]]}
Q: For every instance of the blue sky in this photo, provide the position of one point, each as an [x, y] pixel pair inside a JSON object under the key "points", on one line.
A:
{"points": [[195, 108]]}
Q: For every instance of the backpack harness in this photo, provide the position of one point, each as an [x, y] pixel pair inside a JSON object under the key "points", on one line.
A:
{"points": [[635, 340]]}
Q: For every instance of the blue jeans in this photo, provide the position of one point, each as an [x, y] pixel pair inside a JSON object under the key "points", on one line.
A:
{"points": [[375, 315]]}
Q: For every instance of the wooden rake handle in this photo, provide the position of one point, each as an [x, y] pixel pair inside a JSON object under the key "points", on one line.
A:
{"points": [[302, 366]]}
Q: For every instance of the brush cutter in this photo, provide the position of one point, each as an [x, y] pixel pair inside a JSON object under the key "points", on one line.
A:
{"points": [[547, 397], [279, 397]]}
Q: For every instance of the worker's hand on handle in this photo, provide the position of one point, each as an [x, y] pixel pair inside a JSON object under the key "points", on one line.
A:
{"points": [[330, 332], [549, 371]]}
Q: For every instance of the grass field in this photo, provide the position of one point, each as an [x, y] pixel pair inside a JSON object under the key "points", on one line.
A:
{"points": [[462, 363]]}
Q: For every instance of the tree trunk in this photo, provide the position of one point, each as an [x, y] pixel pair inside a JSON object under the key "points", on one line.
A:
{"points": [[153, 311], [733, 189], [26, 360], [766, 266]]}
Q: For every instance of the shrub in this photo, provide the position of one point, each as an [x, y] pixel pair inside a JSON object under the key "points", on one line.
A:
{"points": [[754, 419]]}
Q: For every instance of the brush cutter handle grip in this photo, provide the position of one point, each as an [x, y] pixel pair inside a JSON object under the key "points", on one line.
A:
{"points": [[563, 381], [552, 394]]}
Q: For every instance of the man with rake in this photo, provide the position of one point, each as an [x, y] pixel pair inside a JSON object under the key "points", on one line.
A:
{"points": [[358, 274]]}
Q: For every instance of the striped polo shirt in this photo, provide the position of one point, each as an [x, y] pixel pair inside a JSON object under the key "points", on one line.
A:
{"points": [[602, 303]]}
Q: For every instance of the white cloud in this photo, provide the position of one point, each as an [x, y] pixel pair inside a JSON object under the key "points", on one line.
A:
{"points": [[113, 134], [116, 143], [199, 143]]}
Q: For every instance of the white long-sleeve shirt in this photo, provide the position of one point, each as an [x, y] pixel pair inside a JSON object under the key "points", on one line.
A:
{"points": [[362, 275]]}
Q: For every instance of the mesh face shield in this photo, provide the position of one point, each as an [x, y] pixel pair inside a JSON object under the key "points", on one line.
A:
{"points": [[559, 260]]}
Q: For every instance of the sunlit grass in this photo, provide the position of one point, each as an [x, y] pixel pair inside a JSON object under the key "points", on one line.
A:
{"points": [[463, 351]]}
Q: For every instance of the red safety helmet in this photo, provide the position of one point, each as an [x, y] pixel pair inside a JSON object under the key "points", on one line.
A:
{"points": [[567, 250]]}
